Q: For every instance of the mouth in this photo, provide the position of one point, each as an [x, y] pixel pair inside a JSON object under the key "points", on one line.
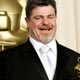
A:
{"points": [[45, 29]]}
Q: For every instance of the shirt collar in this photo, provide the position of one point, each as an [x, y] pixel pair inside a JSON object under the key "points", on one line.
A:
{"points": [[53, 46], [37, 45]]}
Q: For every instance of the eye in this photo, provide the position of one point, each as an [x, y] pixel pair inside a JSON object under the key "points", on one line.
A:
{"points": [[37, 17], [51, 16]]}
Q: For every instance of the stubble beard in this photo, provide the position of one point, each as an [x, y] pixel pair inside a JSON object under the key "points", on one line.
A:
{"points": [[45, 39], [42, 37]]}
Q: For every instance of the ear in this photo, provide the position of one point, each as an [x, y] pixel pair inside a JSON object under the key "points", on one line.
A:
{"points": [[27, 21]]}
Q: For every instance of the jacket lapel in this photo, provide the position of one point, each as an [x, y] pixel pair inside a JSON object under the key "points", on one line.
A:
{"points": [[34, 59], [61, 61]]}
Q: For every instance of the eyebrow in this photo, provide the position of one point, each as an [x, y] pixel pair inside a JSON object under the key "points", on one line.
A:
{"points": [[42, 15]]}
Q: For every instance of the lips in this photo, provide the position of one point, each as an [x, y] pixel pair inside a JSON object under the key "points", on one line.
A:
{"points": [[45, 29]]}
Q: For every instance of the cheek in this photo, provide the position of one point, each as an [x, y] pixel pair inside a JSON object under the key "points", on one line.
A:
{"points": [[33, 27], [53, 22], [36, 25]]}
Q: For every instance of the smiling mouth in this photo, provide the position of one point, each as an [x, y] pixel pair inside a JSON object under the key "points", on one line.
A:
{"points": [[45, 29]]}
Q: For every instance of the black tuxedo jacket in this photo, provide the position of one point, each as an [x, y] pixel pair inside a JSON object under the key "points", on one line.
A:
{"points": [[22, 63]]}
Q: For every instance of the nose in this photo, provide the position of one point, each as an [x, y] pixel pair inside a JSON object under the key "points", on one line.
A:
{"points": [[45, 21]]}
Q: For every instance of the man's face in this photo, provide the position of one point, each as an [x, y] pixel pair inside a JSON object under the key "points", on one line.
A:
{"points": [[42, 23]]}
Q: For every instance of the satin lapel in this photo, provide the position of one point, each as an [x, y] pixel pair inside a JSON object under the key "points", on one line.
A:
{"points": [[34, 59], [61, 61]]}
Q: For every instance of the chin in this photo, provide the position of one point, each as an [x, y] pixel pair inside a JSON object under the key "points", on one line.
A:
{"points": [[46, 39]]}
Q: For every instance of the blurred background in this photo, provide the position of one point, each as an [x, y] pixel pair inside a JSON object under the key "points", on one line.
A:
{"points": [[13, 29], [68, 20]]}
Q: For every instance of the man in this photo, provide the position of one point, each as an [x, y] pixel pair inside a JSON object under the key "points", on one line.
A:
{"points": [[28, 61]]}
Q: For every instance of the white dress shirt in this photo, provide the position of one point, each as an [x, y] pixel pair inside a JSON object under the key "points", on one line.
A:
{"points": [[37, 45]]}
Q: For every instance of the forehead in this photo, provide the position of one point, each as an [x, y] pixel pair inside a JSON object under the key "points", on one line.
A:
{"points": [[43, 10]]}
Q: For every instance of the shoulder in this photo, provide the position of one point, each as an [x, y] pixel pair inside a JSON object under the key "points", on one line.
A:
{"points": [[16, 48], [67, 51], [25, 47]]}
